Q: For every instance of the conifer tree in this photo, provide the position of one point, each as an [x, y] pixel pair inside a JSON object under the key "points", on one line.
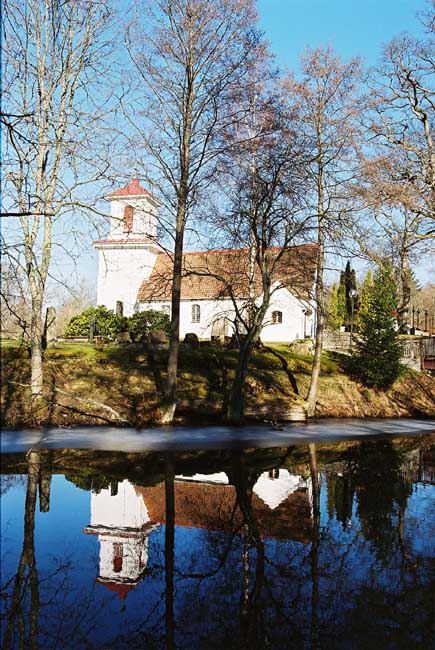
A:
{"points": [[365, 297], [336, 308], [377, 358]]}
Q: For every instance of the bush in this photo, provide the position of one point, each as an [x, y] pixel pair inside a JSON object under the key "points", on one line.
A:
{"points": [[109, 325], [142, 323]]}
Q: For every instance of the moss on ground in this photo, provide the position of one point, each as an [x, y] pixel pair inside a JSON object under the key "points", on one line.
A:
{"points": [[127, 380]]}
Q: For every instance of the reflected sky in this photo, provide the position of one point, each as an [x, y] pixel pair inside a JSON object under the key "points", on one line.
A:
{"points": [[332, 549]]}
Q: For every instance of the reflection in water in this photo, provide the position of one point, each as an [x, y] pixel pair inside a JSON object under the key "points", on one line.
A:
{"points": [[301, 548]]}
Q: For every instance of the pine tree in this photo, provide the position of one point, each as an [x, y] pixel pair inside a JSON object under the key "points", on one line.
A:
{"points": [[377, 358]]}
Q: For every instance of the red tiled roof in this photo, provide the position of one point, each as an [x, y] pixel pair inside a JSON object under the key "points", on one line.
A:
{"points": [[132, 189], [209, 274], [214, 507]]}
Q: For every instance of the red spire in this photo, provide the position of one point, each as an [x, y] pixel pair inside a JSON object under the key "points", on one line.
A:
{"points": [[120, 588], [134, 188]]}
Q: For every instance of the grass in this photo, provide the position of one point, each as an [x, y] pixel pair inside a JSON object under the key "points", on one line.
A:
{"points": [[125, 379]]}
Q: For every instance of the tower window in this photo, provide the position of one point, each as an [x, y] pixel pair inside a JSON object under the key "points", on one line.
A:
{"points": [[128, 218], [118, 553], [276, 317], [196, 313]]}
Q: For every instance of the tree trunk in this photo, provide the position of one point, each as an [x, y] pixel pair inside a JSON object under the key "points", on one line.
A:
{"points": [[236, 404], [315, 371], [36, 354], [174, 342], [403, 308]]}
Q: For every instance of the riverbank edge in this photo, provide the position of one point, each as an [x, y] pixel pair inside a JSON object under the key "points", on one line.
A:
{"points": [[118, 387]]}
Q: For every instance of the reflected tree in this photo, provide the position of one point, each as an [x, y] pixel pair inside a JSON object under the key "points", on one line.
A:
{"points": [[341, 491], [315, 541], [27, 572], [169, 551], [382, 493], [244, 478]]}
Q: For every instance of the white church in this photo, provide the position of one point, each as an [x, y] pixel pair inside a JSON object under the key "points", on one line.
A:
{"points": [[134, 271]]}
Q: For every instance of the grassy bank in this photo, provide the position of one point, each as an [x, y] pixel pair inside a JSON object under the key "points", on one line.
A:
{"points": [[120, 385]]}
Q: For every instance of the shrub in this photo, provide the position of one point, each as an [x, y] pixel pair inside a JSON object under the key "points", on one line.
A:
{"points": [[108, 323], [142, 323]]}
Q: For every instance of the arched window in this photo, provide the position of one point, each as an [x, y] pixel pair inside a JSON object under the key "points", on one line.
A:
{"points": [[166, 310], [128, 218], [196, 313], [276, 317], [117, 557]]}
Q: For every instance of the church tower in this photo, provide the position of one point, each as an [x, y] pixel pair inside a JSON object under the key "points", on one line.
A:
{"points": [[127, 256]]}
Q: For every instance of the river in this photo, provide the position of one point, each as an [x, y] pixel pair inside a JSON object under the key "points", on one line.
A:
{"points": [[317, 536]]}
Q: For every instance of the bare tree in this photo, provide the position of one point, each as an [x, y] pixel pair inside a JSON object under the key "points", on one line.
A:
{"points": [[265, 182], [327, 96], [192, 58], [401, 126], [14, 306], [56, 54]]}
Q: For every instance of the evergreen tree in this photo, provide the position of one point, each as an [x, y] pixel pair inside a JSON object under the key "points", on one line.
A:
{"points": [[364, 298], [350, 285], [377, 358], [336, 309], [341, 299]]}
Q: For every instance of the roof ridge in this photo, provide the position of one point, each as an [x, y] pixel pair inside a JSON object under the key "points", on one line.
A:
{"points": [[239, 250]]}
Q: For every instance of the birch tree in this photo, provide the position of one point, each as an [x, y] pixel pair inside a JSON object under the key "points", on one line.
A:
{"points": [[55, 56], [327, 94], [192, 58]]}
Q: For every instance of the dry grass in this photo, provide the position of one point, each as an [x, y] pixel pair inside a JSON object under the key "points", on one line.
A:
{"points": [[126, 380]]}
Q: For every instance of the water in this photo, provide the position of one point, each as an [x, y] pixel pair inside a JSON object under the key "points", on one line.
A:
{"points": [[328, 546]]}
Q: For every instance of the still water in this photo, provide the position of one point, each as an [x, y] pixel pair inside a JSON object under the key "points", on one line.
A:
{"points": [[320, 546]]}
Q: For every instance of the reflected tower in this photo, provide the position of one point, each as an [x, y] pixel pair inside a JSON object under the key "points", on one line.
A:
{"points": [[120, 519]]}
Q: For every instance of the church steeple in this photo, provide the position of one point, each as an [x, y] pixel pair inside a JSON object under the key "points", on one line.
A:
{"points": [[133, 212], [127, 255]]}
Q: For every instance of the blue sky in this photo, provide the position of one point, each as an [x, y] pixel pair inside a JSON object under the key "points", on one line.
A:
{"points": [[352, 27]]}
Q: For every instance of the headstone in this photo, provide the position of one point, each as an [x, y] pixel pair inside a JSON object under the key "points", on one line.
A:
{"points": [[191, 340], [158, 337], [123, 338]]}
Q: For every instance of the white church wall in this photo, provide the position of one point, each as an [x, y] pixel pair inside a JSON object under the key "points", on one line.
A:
{"points": [[120, 274], [210, 311], [126, 509], [133, 555], [294, 322], [144, 218]]}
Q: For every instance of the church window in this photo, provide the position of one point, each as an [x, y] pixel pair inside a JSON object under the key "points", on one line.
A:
{"points": [[128, 218], [117, 557], [276, 317], [196, 313]]}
